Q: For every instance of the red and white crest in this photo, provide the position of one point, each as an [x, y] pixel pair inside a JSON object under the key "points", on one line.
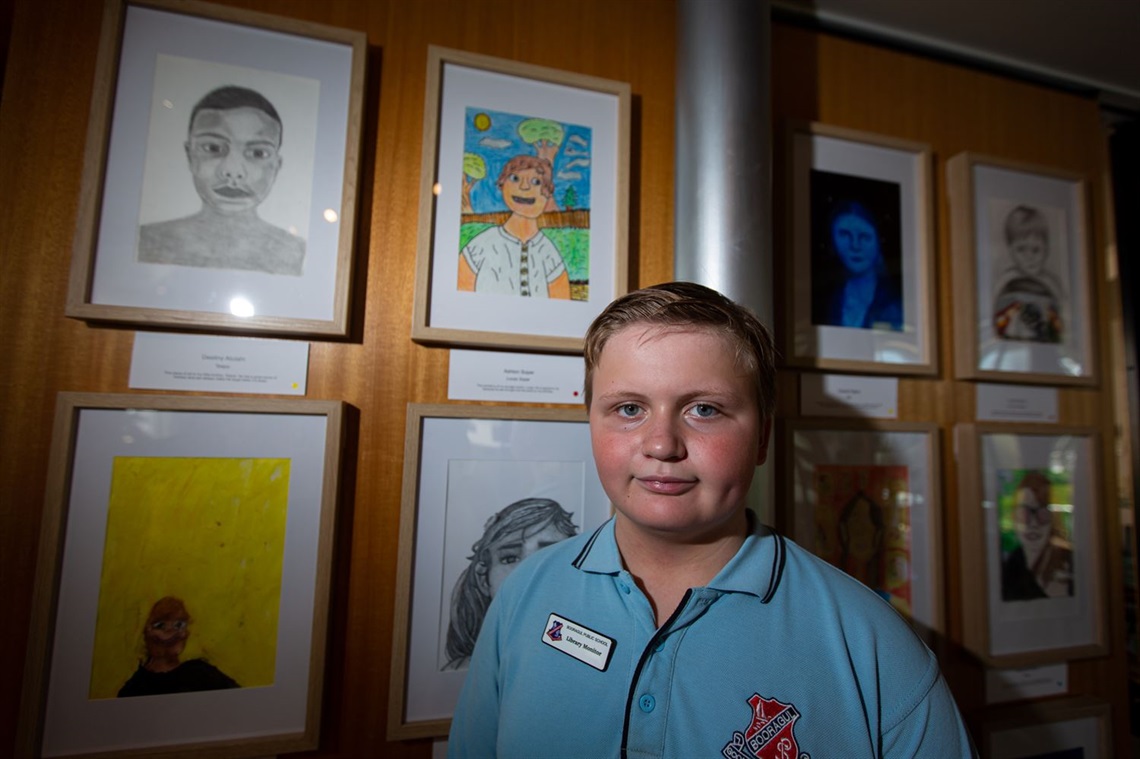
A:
{"points": [[769, 735]]}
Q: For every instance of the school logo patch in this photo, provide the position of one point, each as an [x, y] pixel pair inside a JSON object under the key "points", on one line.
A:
{"points": [[555, 631], [770, 735]]}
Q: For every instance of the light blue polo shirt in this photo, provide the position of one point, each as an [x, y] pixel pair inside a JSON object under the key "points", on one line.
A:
{"points": [[780, 655]]}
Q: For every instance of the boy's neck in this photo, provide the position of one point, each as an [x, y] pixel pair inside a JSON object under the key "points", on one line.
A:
{"points": [[520, 227], [665, 566]]}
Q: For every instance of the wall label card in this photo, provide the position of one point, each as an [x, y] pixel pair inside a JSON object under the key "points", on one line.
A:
{"points": [[518, 377], [215, 363], [846, 395], [1016, 403]]}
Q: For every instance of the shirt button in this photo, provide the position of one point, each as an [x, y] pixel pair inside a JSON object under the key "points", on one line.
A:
{"points": [[624, 588], [647, 703], [659, 647]]}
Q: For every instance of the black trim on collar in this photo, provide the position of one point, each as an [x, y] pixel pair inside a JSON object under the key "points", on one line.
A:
{"points": [[581, 557], [777, 567]]}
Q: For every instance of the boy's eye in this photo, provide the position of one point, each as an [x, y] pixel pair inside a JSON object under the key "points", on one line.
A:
{"points": [[211, 148], [259, 153], [628, 409], [704, 410], [509, 558]]}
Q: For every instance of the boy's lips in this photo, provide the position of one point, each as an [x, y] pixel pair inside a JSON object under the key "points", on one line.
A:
{"points": [[666, 485], [227, 191], [523, 201]]}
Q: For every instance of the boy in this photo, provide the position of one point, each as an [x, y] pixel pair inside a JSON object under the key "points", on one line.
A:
{"points": [[517, 258], [1027, 306], [233, 151], [682, 628]]}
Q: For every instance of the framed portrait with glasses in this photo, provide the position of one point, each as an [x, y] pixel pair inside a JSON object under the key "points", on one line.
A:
{"points": [[181, 603], [1030, 515]]}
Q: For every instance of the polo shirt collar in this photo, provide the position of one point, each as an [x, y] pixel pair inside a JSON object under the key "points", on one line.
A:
{"points": [[755, 569]]}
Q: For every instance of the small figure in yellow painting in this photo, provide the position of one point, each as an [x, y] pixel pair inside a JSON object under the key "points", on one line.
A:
{"points": [[516, 258], [162, 672]]}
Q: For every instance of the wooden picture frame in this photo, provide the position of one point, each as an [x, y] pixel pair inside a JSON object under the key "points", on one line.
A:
{"points": [[1078, 726], [861, 274], [1030, 516], [163, 552], [838, 471], [221, 170], [481, 248], [1022, 270], [470, 474]]}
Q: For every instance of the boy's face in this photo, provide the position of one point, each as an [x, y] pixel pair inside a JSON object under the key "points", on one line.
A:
{"points": [[522, 192], [233, 157], [676, 432], [1029, 253], [166, 634]]}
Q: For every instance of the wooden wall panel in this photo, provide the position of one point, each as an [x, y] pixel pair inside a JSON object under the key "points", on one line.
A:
{"points": [[379, 370]]}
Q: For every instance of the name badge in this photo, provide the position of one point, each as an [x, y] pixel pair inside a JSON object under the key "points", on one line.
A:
{"points": [[582, 643]]}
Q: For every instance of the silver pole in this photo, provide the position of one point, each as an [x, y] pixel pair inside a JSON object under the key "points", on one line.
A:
{"points": [[723, 153]]}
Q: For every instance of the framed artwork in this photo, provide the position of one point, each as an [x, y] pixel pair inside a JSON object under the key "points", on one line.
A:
{"points": [[1022, 273], [1030, 519], [484, 487], [221, 169], [524, 203], [861, 274], [864, 496], [1067, 728], [182, 586]]}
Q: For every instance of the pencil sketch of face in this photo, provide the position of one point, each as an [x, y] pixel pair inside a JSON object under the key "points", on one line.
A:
{"points": [[234, 157]]}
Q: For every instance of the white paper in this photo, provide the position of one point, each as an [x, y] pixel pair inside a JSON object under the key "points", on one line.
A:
{"points": [[215, 363], [1033, 682], [1016, 403], [519, 377], [845, 395]]}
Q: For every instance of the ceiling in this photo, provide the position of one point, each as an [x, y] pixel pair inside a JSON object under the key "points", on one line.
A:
{"points": [[1085, 44]]}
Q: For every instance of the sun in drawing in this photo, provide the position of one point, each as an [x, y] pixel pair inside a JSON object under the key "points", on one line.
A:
{"points": [[482, 122]]}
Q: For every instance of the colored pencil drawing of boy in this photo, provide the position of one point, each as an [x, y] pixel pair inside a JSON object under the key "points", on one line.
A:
{"points": [[516, 258]]}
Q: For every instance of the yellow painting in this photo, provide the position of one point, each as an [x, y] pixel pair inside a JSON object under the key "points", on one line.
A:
{"points": [[191, 581]]}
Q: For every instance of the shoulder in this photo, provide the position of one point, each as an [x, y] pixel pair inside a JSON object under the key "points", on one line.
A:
{"points": [[164, 238], [284, 239], [488, 236], [863, 630], [817, 590]]}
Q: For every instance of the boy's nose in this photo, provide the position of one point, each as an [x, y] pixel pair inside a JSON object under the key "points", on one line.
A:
{"points": [[663, 440], [232, 167]]}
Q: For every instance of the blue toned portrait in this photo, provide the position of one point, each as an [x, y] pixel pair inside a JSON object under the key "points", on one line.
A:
{"points": [[856, 268]]}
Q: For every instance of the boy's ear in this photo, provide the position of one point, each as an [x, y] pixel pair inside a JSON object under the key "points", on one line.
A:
{"points": [[765, 435]]}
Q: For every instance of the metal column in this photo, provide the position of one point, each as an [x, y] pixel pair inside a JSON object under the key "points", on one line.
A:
{"points": [[723, 152]]}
